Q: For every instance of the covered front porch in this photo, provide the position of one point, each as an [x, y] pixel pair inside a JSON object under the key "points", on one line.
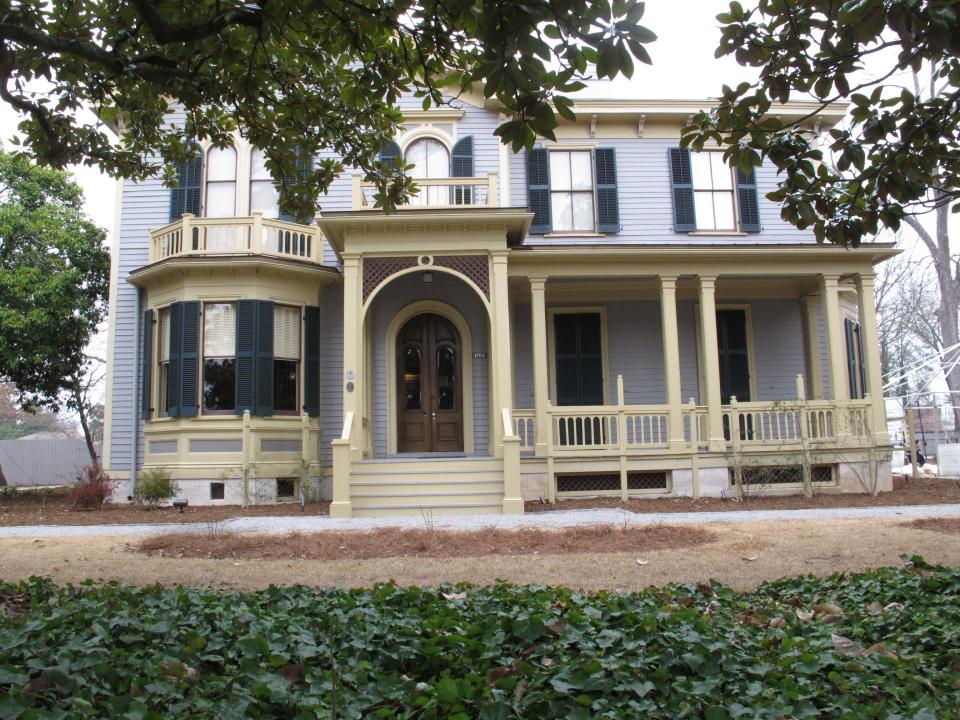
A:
{"points": [[746, 376]]}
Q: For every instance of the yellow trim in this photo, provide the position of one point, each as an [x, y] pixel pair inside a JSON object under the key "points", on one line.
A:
{"points": [[552, 347], [423, 268], [422, 307], [433, 115]]}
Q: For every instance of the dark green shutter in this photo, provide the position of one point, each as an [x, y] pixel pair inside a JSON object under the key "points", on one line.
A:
{"points": [[246, 355], [734, 358], [538, 190], [579, 358], [173, 372], [608, 208], [146, 381], [684, 216], [264, 385], [185, 197], [849, 336], [461, 165], [390, 154], [311, 358], [190, 360], [747, 201], [861, 368], [304, 165]]}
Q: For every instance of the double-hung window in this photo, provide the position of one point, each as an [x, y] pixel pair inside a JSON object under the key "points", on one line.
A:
{"points": [[286, 358], [221, 182], [264, 197], [713, 192], [571, 191], [219, 357]]}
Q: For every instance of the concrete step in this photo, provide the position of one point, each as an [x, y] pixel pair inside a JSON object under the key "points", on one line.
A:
{"points": [[442, 465], [429, 498], [419, 486]]}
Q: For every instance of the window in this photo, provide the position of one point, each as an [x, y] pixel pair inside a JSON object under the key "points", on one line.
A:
{"points": [[221, 182], [286, 488], [219, 357], [216, 491], [430, 160], [713, 192], [264, 197], [286, 358], [734, 355], [163, 359], [571, 191]]}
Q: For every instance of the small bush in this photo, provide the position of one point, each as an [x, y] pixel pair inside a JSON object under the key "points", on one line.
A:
{"points": [[155, 486], [92, 488]]}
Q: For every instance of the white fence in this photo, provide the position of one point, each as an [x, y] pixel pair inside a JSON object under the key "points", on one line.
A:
{"points": [[53, 461]]}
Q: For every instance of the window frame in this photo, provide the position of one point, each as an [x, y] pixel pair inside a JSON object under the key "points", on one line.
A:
{"points": [[204, 410], [205, 208], [734, 204], [250, 183], [552, 312], [429, 196], [298, 398], [592, 192]]}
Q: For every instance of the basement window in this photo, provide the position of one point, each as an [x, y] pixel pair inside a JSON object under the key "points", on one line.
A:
{"points": [[286, 488], [216, 491]]}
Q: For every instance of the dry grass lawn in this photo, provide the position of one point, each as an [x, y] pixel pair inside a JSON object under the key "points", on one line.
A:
{"points": [[396, 542], [741, 555]]}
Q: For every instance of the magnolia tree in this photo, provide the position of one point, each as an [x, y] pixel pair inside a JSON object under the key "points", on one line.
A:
{"points": [[295, 76]]}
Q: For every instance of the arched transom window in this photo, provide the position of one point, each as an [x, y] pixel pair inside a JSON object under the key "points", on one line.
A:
{"points": [[430, 159]]}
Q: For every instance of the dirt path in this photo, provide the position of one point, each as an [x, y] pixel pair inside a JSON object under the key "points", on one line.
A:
{"points": [[781, 549]]}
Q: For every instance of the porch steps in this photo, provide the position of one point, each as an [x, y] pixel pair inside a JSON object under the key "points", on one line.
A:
{"points": [[426, 486]]}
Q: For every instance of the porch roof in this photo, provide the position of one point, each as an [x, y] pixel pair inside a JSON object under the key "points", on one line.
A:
{"points": [[513, 222]]}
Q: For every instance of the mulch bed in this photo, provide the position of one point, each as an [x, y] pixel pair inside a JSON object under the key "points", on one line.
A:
{"points": [[905, 492], [394, 542], [56, 509], [944, 525]]}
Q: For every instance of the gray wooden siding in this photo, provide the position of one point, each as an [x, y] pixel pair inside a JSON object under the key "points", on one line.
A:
{"points": [[445, 288], [635, 349], [646, 206], [331, 370]]}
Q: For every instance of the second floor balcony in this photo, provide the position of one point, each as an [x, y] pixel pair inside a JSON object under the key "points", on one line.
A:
{"points": [[192, 236], [438, 192]]}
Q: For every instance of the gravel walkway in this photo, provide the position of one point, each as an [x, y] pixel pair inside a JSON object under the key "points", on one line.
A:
{"points": [[555, 519]]}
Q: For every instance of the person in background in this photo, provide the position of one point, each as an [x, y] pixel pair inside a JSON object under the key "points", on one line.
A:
{"points": [[921, 458]]}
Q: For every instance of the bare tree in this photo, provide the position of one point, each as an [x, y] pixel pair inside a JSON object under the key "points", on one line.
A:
{"points": [[84, 400]]}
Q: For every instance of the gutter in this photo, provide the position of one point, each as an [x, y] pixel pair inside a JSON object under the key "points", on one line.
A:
{"points": [[135, 406]]}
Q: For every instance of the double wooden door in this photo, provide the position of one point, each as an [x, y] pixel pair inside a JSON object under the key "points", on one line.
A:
{"points": [[429, 386]]}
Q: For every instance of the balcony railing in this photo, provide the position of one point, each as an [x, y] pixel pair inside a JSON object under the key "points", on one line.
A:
{"points": [[254, 235], [459, 192]]}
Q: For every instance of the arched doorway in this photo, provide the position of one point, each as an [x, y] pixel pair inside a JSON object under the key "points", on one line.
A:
{"points": [[429, 386]]}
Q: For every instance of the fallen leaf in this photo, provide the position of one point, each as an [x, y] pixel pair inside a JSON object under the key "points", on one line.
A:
{"points": [[893, 606], [804, 616], [555, 628], [750, 558], [846, 645], [875, 607], [777, 622], [547, 662], [641, 561], [519, 690], [497, 674], [828, 609], [454, 596], [292, 672]]}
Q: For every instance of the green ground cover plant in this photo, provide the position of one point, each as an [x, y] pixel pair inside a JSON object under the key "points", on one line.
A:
{"points": [[880, 644]]}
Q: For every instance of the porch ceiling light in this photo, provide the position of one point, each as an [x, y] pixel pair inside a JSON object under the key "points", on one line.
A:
{"points": [[427, 276]]}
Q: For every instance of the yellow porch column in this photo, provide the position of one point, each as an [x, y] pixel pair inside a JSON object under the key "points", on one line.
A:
{"points": [[671, 356], [502, 361], [538, 309], [811, 329], [711, 361], [836, 348], [352, 342], [871, 354]]}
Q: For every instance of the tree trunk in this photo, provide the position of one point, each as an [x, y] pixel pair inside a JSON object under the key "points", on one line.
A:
{"points": [[85, 422]]}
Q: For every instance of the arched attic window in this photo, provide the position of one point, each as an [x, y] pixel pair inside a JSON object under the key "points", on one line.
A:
{"points": [[430, 160], [185, 197]]}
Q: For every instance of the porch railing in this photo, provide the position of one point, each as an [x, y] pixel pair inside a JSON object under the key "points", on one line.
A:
{"points": [[482, 191], [254, 235]]}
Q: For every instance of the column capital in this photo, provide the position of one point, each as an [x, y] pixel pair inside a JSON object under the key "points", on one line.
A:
{"points": [[667, 280], [538, 283], [867, 279], [830, 279], [707, 281], [500, 256]]}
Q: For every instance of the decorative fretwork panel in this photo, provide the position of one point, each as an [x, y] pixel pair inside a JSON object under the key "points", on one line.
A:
{"points": [[610, 482], [759, 475], [376, 270], [475, 267]]}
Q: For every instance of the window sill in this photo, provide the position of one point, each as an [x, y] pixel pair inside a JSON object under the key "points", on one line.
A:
{"points": [[573, 234], [718, 233]]}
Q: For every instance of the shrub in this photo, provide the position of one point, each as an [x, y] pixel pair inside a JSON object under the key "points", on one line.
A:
{"points": [[155, 486], [92, 488]]}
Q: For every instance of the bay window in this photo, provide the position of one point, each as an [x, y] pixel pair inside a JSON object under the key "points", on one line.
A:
{"points": [[163, 360], [219, 357]]}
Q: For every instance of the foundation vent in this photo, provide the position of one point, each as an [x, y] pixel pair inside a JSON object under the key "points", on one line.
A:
{"points": [[610, 482], [784, 475]]}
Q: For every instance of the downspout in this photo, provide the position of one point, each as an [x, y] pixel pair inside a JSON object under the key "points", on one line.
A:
{"points": [[135, 405]]}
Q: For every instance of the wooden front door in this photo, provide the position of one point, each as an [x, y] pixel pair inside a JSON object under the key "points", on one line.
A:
{"points": [[429, 386]]}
